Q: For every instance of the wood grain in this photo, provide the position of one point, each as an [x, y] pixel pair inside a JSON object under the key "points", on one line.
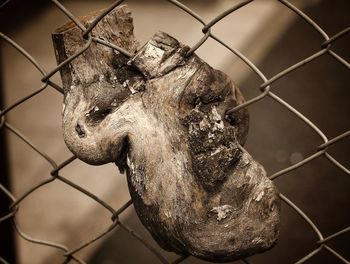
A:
{"points": [[161, 117]]}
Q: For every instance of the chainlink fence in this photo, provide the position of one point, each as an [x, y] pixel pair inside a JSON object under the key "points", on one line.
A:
{"points": [[266, 91]]}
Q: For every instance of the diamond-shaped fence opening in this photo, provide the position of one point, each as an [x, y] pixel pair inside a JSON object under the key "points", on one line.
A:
{"points": [[266, 93]]}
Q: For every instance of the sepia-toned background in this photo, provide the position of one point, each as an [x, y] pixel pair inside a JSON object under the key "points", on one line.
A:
{"points": [[265, 31]]}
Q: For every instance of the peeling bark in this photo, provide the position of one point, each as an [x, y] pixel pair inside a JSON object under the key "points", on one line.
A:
{"points": [[161, 116]]}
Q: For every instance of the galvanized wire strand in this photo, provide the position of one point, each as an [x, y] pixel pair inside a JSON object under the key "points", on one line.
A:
{"points": [[340, 59], [337, 163], [198, 44], [144, 242], [335, 37], [254, 69], [39, 185], [86, 31], [87, 193], [294, 67], [24, 53], [69, 15], [334, 140], [101, 41], [71, 58], [305, 18], [55, 86], [34, 240], [265, 91], [2, 120], [36, 65], [245, 260], [100, 17], [224, 14], [62, 165], [302, 214], [89, 242], [5, 3], [7, 192], [335, 235], [299, 115], [121, 209], [45, 156], [335, 253], [250, 65], [53, 173], [8, 216], [187, 10], [68, 60], [77, 260], [108, 230], [3, 261], [42, 242], [30, 144], [67, 260], [297, 165], [108, 44], [242, 57], [250, 101], [309, 256], [199, 19], [31, 190], [20, 101]]}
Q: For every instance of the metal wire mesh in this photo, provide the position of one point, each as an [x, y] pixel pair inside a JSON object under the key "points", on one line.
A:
{"points": [[266, 91]]}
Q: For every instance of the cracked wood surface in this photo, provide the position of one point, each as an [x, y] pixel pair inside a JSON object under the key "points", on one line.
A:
{"points": [[161, 117]]}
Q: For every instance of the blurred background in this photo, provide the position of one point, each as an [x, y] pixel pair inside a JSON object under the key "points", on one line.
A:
{"points": [[265, 31]]}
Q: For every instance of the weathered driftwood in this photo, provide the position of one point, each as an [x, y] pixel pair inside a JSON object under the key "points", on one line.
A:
{"points": [[161, 117]]}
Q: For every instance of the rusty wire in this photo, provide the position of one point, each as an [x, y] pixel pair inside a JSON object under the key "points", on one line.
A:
{"points": [[265, 88]]}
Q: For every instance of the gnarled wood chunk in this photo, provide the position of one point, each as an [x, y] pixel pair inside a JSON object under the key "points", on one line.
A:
{"points": [[161, 117]]}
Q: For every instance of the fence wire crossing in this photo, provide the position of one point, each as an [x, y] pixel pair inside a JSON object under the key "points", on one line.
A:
{"points": [[266, 91]]}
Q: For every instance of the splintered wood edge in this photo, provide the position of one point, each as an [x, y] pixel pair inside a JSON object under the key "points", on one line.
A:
{"points": [[83, 19], [68, 39]]}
